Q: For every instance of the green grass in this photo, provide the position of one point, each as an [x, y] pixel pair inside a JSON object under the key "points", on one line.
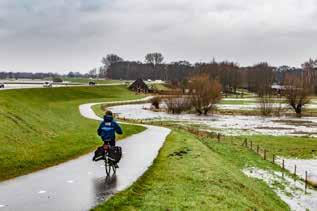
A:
{"points": [[43, 127], [304, 147], [286, 146], [98, 81], [159, 86], [189, 174]]}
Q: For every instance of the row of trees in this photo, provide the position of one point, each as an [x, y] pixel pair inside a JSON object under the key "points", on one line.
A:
{"points": [[205, 92], [26, 75], [40, 75], [257, 78]]}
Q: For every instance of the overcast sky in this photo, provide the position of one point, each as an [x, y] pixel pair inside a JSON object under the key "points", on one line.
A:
{"points": [[73, 35]]}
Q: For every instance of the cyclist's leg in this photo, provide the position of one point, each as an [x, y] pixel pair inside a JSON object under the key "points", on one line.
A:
{"points": [[106, 145], [112, 143]]}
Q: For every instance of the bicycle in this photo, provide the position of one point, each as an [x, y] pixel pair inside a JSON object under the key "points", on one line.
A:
{"points": [[109, 162], [111, 156]]}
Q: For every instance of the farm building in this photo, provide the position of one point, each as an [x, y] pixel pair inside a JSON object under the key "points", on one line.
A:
{"points": [[139, 86]]}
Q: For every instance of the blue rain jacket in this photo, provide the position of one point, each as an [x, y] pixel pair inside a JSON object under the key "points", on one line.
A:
{"points": [[108, 128]]}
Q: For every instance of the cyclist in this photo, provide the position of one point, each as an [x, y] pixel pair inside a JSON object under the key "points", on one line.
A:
{"points": [[108, 128]]}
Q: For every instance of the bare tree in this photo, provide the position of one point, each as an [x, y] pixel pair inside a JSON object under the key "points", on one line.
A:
{"points": [[154, 58], [261, 78], [102, 72], [266, 104], [205, 93], [111, 59], [93, 73], [297, 92], [310, 73]]}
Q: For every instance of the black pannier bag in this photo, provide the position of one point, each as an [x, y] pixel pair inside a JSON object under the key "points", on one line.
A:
{"points": [[99, 154], [115, 153]]}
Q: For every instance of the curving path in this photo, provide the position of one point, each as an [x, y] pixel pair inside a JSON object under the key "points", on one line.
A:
{"points": [[80, 184]]}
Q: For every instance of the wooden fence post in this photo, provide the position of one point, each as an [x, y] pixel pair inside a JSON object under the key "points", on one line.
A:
{"points": [[257, 149], [273, 159], [264, 156], [251, 145], [295, 170], [283, 164], [305, 181]]}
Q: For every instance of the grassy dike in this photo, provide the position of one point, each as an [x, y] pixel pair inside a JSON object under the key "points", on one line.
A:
{"points": [[43, 127], [197, 174]]}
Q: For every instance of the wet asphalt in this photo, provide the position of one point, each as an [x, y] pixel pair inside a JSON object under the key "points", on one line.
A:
{"points": [[82, 184]]}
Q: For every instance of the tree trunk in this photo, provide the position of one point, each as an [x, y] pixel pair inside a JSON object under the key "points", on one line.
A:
{"points": [[298, 111]]}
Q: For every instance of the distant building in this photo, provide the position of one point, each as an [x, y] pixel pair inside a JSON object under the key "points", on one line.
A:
{"points": [[139, 86], [278, 89]]}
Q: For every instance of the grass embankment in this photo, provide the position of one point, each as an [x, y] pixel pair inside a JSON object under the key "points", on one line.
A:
{"points": [[43, 127], [159, 86], [192, 174], [98, 81]]}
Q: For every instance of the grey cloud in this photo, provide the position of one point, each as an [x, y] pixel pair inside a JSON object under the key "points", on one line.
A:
{"points": [[74, 34]]}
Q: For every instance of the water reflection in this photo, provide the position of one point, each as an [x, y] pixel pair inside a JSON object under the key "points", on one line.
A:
{"points": [[104, 187]]}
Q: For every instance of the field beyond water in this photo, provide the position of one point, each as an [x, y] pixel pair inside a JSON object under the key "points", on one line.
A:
{"points": [[43, 127]]}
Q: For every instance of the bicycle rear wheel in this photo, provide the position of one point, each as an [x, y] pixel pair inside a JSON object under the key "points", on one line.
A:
{"points": [[108, 168]]}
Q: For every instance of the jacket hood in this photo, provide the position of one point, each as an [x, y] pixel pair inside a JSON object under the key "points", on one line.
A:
{"points": [[107, 118]]}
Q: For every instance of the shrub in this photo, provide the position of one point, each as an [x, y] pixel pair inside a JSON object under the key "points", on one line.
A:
{"points": [[177, 104], [155, 101], [266, 105], [57, 79], [206, 93]]}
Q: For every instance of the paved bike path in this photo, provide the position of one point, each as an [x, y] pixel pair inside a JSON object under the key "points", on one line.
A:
{"points": [[81, 184]]}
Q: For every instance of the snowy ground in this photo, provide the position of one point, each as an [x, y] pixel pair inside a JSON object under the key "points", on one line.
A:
{"points": [[291, 191], [227, 124]]}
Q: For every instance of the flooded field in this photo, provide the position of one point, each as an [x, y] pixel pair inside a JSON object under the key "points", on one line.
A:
{"points": [[289, 190], [227, 124]]}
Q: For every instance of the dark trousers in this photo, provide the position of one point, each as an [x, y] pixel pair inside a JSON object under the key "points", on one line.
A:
{"points": [[110, 142]]}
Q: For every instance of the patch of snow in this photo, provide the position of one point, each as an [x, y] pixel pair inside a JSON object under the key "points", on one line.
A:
{"points": [[289, 190]]}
